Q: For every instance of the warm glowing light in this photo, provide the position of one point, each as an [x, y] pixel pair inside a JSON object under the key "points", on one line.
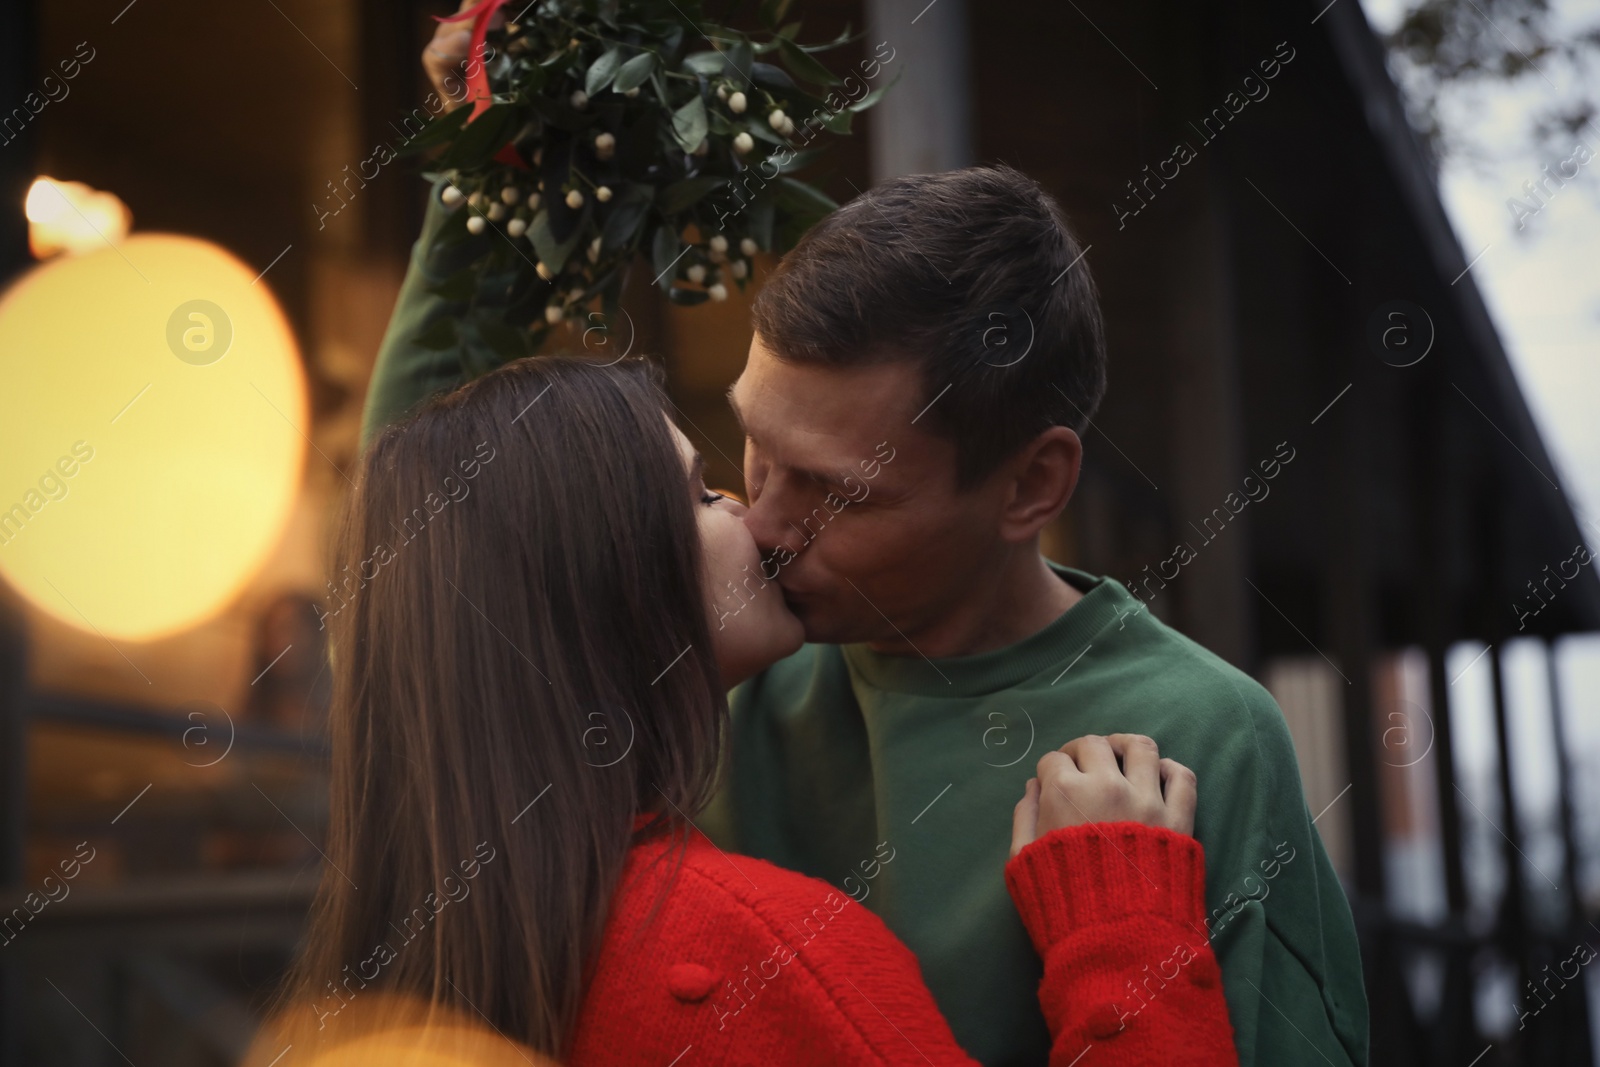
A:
{"points": [[72, 217], [373, 1029], [151, 434]]}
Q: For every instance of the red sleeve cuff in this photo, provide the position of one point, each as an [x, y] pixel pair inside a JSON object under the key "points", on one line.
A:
{"points": [[1078, 876]]}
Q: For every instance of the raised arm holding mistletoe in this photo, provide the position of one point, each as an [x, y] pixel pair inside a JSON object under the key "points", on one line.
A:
{"points": [[598, 131]]}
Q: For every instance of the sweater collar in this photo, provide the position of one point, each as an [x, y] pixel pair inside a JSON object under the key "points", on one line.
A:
{"points": [[1104, 600]]}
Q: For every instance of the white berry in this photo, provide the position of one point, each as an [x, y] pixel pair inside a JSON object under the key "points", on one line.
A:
{"points": [[510, 194], [737, 103], [580, 100], [496, 212], [517, 227], [777, 119], [743, 143], [748, 246], [605, 145], [543, 270], [476, 224], [603, 193], [631, 94], [719, 243], [718, 291], [696, 273], [740, 268], [553, 313], [451, 196], [575, 199]]}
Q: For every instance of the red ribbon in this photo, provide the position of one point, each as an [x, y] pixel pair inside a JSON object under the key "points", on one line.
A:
{"points": [[477, 70], [477, 74]]}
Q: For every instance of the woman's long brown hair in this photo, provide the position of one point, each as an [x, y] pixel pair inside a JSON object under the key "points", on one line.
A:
{"points": [[521, 663]]}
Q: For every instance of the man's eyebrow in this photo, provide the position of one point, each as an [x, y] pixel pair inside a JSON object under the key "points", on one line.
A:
{"points": [[697, 469]]}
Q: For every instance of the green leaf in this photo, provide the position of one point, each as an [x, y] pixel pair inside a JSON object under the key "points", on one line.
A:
{"points": [[761, 131], [626, 218], [665, 248], [729, 55], [687, 297], [773, 79], [671, 37], [838, 121], [681, 195], [804, 65], [689, 124], [531, 80], [437, 131], [759, 216], [877, 94], [844, 38], [482, 138], [740, 57], [635, 72], [554, 254], [559, 61], [799, 160], [602, 70], [709, 64], [802, 199]]}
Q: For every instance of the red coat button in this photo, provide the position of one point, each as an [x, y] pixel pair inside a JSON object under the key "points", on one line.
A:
{"points": [[690, 981], [1104, 1022]]}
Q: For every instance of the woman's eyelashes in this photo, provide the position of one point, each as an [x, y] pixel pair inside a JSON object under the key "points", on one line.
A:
{"points": [[709, 497]]}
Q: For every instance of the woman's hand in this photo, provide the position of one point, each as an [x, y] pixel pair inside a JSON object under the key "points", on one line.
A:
{"points": [[1083, 783], [445, 58]]}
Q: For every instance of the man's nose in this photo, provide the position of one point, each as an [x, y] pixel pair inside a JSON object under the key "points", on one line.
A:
{"points": [[768, 518]]}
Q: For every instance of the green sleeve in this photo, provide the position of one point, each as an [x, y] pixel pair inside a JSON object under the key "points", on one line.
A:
{"points": [[408, 370], [1292, 968]]}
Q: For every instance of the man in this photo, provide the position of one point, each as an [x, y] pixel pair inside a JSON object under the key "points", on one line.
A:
{"points": [[923, 364]]}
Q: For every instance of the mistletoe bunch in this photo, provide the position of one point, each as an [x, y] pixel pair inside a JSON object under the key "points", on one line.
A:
{"points": [[609, 129]]}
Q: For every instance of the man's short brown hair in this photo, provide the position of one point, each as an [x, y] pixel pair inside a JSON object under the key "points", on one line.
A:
{"points": [[970, 274]]}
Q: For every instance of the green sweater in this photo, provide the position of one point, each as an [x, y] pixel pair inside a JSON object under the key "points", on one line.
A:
{"points": [[842, 757], [895, 779]]}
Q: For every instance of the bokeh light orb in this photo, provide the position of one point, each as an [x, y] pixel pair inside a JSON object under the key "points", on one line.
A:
{"points": [[152, 433]]}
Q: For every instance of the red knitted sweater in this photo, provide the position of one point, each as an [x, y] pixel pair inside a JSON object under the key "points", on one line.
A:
{"points": [[730, 960]]}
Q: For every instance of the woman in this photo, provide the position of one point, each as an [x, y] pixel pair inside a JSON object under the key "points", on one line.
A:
{"points": [[527, 713]]}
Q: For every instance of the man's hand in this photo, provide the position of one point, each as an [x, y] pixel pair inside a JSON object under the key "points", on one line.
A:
{"points": [[1084, 783], [445, 58]]}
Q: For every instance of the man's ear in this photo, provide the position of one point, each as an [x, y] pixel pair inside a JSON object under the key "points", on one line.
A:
{"points": [[1041, 478]]}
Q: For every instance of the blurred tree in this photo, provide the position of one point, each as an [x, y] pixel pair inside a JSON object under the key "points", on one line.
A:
{"points": [[1440, 47]]}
